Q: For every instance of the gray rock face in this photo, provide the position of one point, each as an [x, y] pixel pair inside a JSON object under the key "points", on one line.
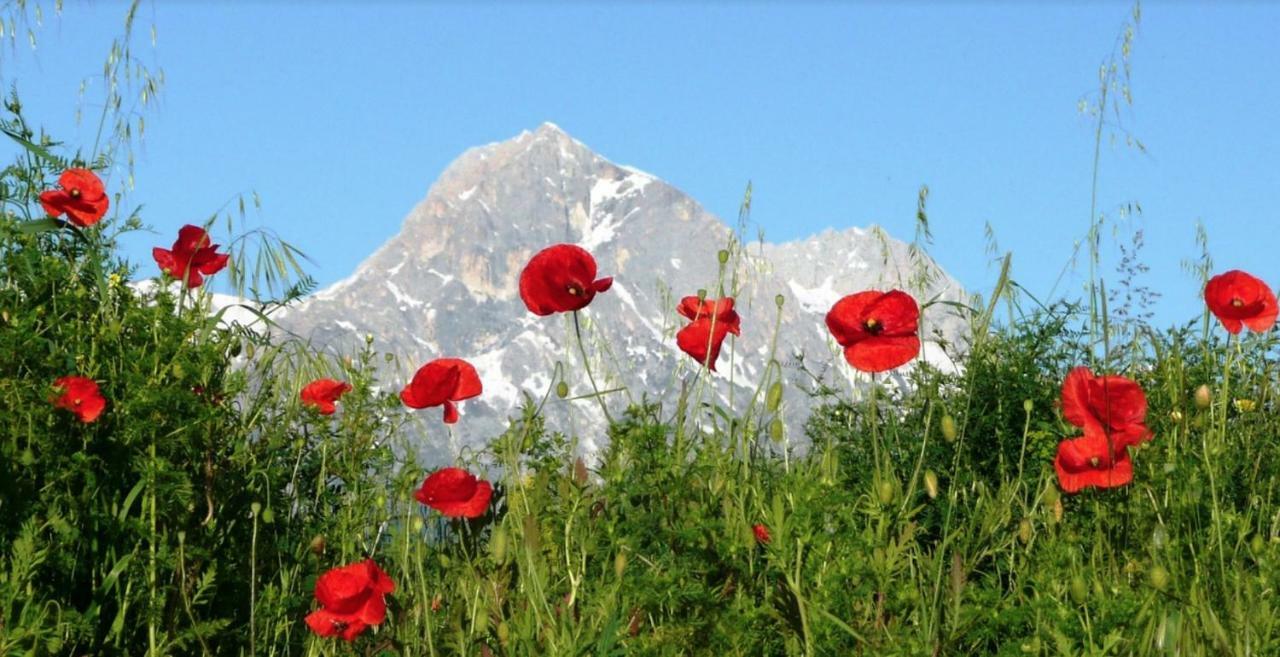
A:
{"points": [[447, 285]]}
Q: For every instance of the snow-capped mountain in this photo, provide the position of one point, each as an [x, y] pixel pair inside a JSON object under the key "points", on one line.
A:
{"points": [[446, 285]]}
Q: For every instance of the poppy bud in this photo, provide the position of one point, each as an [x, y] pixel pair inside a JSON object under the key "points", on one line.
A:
{"points": [[177, 370], [620, 564], [28, 457], [931, 484], [250, 350], [779, 300], [775, 430], [498, 545], [1202, 397], [1257, 544], [774, 398], [234, 351], [388, 357], [1027, 406], [1176, 416], [255, 508], [268, 516], [1024, 531], [504, 633], [182, 536], [1079, 590], [723, 255], [368, 339], [1051, 495], [417, 525], [4, 315], [1057, 510], [562, 390], [436, 602], [884, 490], [948, 428], [317, 544], [702, 294], [1159, 577]]}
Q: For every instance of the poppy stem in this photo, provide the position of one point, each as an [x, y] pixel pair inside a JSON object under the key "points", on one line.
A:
{"points": [[586, 364]]}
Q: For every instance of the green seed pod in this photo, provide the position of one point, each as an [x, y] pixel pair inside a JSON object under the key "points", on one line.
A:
{"points": [[1257, 544], [1203, 397], [178, 371], [268, 516], [388, 357], [250, 350], [1079, 590], [620, 564], [28, 457], [562, 390], [773, 399], [931, 484], [702, 294], [1027, 406], [1159, 577], [775, 430], [949, 428], [255, 508], [723, 255], [498, 545], [779, 300], [368, 339]]}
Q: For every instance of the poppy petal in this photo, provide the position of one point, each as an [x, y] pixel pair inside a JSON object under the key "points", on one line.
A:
{"points": [[882, 353]]}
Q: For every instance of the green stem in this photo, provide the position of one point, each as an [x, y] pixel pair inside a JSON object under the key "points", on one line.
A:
{"points": [[586, 364]]}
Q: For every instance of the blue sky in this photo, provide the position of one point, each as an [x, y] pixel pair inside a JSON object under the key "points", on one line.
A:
{"points": [[340, 115]]}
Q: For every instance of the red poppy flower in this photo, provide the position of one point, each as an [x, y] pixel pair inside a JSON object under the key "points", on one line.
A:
{"points": [[1092, 461], [81, 197], [192, 257], [1112, 406], [878, 330], [455, 493], [443, 381], [560, 278], [322, 393], [351, 599], [711, 321], [1239, 299], [81, 396], [762, 534]]}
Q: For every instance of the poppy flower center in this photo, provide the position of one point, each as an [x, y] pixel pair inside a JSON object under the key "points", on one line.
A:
{"points": [[872, 325], [1095, 461], [574, 289], [1237, 302], [75, 193], [76, 401]]}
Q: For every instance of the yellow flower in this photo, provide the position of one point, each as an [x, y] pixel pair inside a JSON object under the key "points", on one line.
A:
{"points": [[1245, 405]]}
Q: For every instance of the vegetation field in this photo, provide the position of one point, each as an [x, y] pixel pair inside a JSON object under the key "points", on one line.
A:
{"points": [[1083, 483]]}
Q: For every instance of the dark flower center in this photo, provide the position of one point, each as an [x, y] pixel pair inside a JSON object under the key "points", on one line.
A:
{"points": [[76, 401], [1237, 302], [873, 326], [574, 289], [74, 192], [1094, 461]]}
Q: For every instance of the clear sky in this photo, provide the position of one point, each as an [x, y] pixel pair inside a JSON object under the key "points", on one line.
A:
{"points": [[341, 114]]}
